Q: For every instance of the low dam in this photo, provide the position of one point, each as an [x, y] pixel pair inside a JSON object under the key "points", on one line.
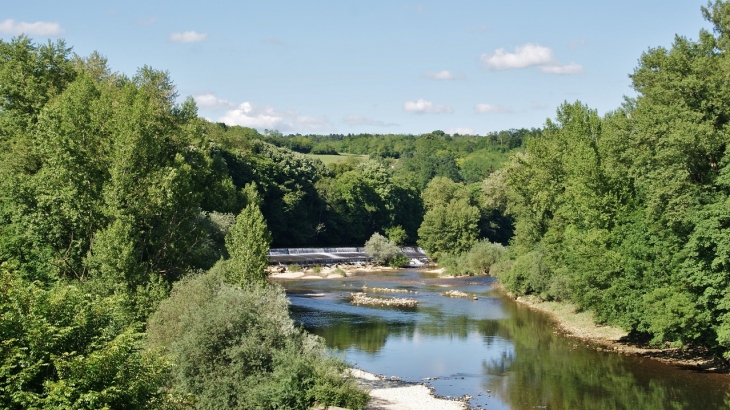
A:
{"points": [[324, 256]]}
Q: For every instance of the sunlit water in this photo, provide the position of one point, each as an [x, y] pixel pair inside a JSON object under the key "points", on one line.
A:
{"points": [[502, 354]]}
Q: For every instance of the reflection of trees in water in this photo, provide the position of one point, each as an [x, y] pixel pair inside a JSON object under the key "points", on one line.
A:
{"points": [[369, 333], [366, 334], [541, 368], [559, 373]]}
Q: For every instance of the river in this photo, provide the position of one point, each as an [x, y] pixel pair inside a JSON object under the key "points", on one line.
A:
{"points": [[504, 355]]}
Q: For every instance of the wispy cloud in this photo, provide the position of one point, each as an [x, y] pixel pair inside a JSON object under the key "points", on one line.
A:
{"points": [[461, 130], [360, 120], [485, 108], [254, 116], [39, 28], [422, 106], [145, 22], [528, 55], [538, 106], [571, 68], [188, 37], [444, 75], [578, 43], [479, 27], [210, 101]]}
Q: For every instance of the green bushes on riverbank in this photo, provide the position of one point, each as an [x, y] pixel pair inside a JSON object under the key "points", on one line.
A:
{"points": [[233, 347]]}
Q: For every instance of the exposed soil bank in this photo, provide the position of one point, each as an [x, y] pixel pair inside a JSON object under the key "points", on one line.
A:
{"points": [[582, 326]]}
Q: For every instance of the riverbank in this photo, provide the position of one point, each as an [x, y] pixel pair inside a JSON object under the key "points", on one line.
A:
{"points": [[387, 394], [582, 326]]}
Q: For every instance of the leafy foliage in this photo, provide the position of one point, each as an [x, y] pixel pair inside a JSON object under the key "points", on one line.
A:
{"points": [[237, 347], [627, 214], [381, 249]]}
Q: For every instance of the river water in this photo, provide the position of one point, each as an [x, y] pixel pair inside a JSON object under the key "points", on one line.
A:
{"points": [[504, 355]]}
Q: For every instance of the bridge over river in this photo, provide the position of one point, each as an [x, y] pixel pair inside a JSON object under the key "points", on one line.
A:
{"points": [[329, 256]]}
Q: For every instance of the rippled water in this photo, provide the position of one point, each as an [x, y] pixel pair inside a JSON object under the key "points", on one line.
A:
{"points": [[504, 355]]}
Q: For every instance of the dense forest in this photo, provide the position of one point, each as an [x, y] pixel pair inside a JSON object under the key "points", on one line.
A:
{"points": [[627, 214], [130, 227]]}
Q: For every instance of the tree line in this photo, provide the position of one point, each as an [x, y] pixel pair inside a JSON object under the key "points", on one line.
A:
{"points": [[627, 214], [131, 264]]}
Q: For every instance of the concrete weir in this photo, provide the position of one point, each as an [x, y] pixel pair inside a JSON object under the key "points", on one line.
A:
{"points": [[325, 256]]}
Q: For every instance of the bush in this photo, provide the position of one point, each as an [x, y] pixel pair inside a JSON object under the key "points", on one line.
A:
{"points": [[317, 269], [483, 255], [380, 248], [236, 347], [64, 347], [294, 267], [528, 274], [477, 261], [398, 261]]}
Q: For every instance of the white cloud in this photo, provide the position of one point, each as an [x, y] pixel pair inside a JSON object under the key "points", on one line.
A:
{"points": [[39, 28], [188, 37], [423, 106], [538, 106], [250, 115], [444, 75], [484, 108], [528, 55], [524, 56], [360, 120], [571, 68], [461, 130], [210, 101], [441, 75]]}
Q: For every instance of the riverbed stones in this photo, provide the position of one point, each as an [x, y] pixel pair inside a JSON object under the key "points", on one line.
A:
{"points": [[455, 294], [365, 300]]}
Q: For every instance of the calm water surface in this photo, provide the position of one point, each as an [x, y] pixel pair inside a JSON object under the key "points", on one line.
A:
{"points": [[502, 354]]}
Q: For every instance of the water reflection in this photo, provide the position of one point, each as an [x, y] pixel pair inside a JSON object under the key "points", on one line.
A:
{"points": [[493, 347]]}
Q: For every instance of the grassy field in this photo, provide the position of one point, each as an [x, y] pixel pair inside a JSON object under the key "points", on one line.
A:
{"points": [[330, 159]]}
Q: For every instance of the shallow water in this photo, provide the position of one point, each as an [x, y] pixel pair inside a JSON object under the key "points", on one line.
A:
{"points": [[502, 354]]}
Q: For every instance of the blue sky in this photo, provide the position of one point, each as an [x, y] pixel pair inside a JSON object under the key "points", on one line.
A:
{"points": [[372, 66]]}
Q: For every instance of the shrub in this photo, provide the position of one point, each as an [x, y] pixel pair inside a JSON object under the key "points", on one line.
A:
{"points": [[477, 261], [483, 255], [398, 261], [380, 248], [340, 272], [317, 269], [64, 347], [236, 347], [294, 267]]}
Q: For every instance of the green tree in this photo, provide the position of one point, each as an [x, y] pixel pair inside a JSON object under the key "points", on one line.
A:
{"points": [[380, 248], [248, 245]]}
